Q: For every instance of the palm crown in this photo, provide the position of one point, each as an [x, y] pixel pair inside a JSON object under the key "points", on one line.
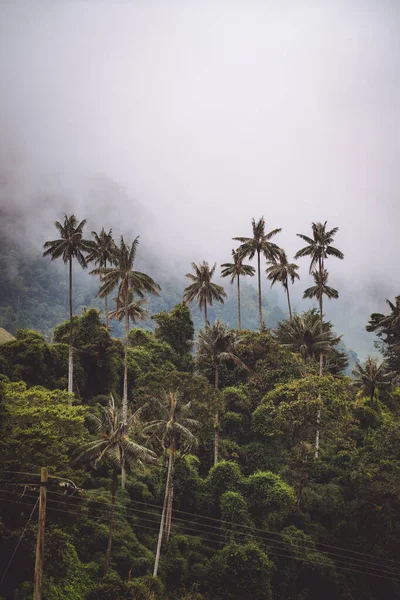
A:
{"points": [[113, 441], [121, 276], [281, 270], [260, 242], [71, 243], [303, 335], [102, 248], [372, 376], [321, 287], [203, 289], [237, 268], [319, 246]]}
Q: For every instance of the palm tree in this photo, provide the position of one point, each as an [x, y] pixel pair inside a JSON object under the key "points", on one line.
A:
{"points": [[174, 429], [319, 248], [234, 270], [113, 445], [103, 251], [281, 270], [372, 377], [121, 276], [259, 244], [217, 344], [202, 289], [70, 245], [319, 290], [303, 335]]}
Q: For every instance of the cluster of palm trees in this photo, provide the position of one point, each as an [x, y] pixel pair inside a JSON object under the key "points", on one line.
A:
{"points": [[122, 442], [279, 269], [115, 268]]}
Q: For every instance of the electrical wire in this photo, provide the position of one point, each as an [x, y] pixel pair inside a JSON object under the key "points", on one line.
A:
{"points": [[223, 536], [273, 552], [265, 532], [265, 537]]}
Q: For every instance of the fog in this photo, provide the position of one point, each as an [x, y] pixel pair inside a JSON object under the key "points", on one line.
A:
{"points": [[195, 116]]}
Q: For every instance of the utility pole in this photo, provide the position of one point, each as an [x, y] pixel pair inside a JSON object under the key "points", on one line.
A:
{"points": [[37, 590]]}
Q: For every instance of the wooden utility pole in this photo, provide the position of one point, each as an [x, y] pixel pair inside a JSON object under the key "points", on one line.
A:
{"points": [[37, 590]]}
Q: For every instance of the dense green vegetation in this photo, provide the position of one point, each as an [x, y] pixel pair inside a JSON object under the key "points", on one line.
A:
{"points": [[224, 465]]}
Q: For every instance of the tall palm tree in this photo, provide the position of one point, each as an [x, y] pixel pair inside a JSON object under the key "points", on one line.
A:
{"points": [[281, 270], [259, 244], [372, 377], [202, 289], [102, 254], [70, 245], [113, 445], [217, 344], [319, 290], [234, 270], [319, 248], [121, 276], [173, 428]]}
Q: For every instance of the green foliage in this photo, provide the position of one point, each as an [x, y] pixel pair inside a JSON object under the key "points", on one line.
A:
{"points": [[240, 571], [39, 427], [270, 499], [176, 329]]}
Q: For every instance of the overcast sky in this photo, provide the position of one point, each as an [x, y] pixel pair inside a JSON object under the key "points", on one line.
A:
{"points": [[208, 113]]}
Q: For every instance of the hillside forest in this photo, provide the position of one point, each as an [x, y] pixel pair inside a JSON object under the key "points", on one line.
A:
{"points": [[190, 456]]}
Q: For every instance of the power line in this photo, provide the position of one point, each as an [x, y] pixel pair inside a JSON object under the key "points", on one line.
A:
{"points": [[273, 552], [272, 542], [223, 521], [201, 536]]}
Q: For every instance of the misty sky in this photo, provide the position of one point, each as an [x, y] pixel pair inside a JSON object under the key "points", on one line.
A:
{"points": [[208, 113]]}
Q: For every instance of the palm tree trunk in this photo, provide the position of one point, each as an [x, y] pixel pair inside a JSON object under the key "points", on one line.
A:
{"points": [[106, 301], [205, 315], [170, 494], [216, 424], [70, 351], [238, 293], [164, 510], [112, 514], [259, 290], [288, 300], [125, 393], [321, 366]]}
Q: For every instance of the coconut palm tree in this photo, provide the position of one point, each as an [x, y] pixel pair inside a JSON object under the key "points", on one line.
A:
{"points": [[174, 428], [372, 377], [102, 254], [202, 289], [259, 244], [114, 446], [121, 276], [320, 289], [70, 245], [234, 270], [217, 344], [281, 270]]}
